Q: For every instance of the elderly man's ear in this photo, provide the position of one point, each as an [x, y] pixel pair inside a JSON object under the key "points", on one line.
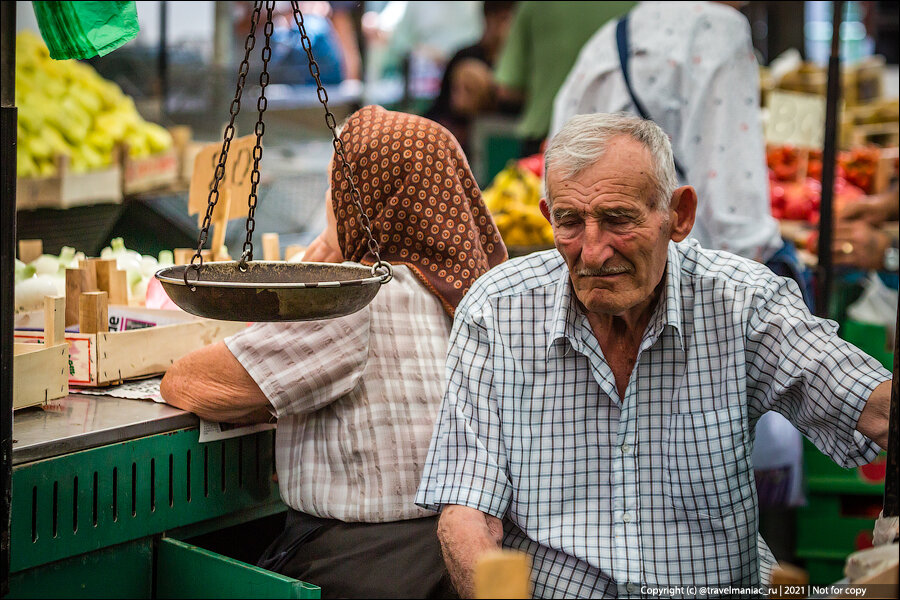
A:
{"points": [[682, 210]]}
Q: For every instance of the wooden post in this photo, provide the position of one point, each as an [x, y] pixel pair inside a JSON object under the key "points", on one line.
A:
{"points": [[182, 256], [220, 220], [93, 312], [78, 281], [54, 320], [271, 246], [503, 574], [30, 250], [291, 251], [90, 265], [786, 576], [112, 281]]}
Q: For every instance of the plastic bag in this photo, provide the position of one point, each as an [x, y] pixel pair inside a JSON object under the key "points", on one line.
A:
{"points": [[877, 305], [85, 29]]}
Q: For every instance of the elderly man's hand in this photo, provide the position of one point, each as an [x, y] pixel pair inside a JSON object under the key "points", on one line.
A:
{"points": [[858, 244]]}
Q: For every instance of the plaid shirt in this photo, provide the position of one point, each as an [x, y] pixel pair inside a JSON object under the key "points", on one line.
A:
{"points": [[607, 495], [356, 399]]}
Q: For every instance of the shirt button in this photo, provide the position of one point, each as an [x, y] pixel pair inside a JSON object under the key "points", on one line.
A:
{"points": [[630, 588], [626, 448], [627, 519]]}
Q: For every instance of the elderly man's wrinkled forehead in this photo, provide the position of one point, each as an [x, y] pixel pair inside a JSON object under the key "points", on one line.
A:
{"points": [[622, 159]]}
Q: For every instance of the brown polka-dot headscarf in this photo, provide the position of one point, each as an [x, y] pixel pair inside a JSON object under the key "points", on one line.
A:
{"points": [[425, 207]]}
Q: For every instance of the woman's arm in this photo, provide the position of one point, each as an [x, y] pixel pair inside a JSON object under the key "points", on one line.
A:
{"points": [[211, 383]]}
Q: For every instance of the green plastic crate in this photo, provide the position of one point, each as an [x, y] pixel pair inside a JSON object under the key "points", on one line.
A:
{"points": [[824, 571], [871, 339], [823, 475], [833, 526]]}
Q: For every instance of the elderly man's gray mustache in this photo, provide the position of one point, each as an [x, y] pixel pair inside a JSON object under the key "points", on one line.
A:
{"points": [[604, 271]]}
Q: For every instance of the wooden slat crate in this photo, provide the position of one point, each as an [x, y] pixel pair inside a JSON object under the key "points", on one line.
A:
{"points": [[67, 189], [41, 371]]}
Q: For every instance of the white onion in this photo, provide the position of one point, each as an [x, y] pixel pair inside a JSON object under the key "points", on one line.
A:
{"points": [[45, 264], [30, 292], [149, 266]]}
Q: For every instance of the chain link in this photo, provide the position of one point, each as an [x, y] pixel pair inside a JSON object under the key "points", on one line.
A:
{"points": [[260, 129], [337, 143], [249, 43]]}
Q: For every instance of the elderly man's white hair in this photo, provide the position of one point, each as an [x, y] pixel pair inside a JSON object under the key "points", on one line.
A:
{"points": [[584, 138]]}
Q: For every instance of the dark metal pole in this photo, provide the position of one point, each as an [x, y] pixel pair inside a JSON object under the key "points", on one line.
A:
{"points": [[163, 58], [7, 267], [891, 508], [829, 160]]}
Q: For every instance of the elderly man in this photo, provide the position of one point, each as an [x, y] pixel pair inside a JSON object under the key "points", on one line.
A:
{"points": [[601, 399]]}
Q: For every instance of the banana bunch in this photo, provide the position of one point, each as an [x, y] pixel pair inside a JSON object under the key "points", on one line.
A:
{"points": [[67, 109], [513, 198]]}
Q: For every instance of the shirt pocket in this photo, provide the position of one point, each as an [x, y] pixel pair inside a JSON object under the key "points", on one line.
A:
{"points": [[705, 469]]}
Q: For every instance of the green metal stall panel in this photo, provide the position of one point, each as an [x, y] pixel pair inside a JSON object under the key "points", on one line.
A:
{"points": [[123, 571], [186, 571], [83, 501]]}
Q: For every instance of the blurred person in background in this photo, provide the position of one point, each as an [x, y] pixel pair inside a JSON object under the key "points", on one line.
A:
{"points": [[859, 239], [342, 21], [543, 43], [467, 88], [419, 38]]}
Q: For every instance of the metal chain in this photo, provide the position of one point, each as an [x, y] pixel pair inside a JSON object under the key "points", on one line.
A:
{"points": [[260, 129], [338, 144], [197, 259]]}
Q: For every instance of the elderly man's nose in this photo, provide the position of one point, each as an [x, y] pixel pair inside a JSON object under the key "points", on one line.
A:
{"points": [[596, 249]]}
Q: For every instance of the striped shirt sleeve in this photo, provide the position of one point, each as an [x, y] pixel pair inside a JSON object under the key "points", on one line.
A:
{"points": [[798, 366], [301, 367], [467, 458]]}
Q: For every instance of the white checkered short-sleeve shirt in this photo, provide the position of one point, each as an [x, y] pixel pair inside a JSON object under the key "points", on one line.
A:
{"points": [[356, 399], [605, 494]]}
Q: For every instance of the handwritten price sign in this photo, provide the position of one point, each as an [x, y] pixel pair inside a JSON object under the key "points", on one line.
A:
{"points": [[235, 184]]}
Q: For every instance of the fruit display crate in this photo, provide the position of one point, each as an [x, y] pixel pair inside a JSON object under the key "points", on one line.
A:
{"points": [[67, 189], [824, 476], [830, 528]]}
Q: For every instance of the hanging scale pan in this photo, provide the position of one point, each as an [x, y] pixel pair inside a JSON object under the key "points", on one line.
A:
{"points": [[259, 291]]}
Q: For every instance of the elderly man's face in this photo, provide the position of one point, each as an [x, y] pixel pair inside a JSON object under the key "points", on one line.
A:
{"points": [[614, 240]]}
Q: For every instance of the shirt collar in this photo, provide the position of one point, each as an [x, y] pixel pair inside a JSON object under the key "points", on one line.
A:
{"points": [[566, 318]]}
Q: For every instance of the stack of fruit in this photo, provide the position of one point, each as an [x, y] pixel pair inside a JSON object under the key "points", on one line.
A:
{"points": [[513, 198], [66, 109], [795, 175]]}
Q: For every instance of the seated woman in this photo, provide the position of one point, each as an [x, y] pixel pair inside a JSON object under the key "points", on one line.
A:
{"points": [[356, 397]]}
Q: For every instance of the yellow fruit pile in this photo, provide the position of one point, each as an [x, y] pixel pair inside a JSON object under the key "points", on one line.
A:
{"points": [[513, 198], [66, 108]]}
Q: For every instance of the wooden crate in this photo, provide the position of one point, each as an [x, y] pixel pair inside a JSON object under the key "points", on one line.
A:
{"points": [[67, 189], [879, 134], [41, 371], [97, 359], [154, 172]]}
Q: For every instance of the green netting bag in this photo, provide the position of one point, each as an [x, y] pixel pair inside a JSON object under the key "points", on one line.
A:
{"points": [[85, 29]]}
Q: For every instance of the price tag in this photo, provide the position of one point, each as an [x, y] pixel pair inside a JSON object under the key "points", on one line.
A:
{"points": [[796, 119], [235, 183]]}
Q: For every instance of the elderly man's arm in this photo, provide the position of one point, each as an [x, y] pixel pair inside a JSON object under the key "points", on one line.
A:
{"points": [[211, 383], [875, 417], [465, 535]]}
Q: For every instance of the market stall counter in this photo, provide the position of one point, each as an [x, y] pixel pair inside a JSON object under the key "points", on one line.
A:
{"points": [[105, 489]]}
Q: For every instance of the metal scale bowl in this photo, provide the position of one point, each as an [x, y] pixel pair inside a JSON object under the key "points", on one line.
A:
{"points": [[245, 290]]}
